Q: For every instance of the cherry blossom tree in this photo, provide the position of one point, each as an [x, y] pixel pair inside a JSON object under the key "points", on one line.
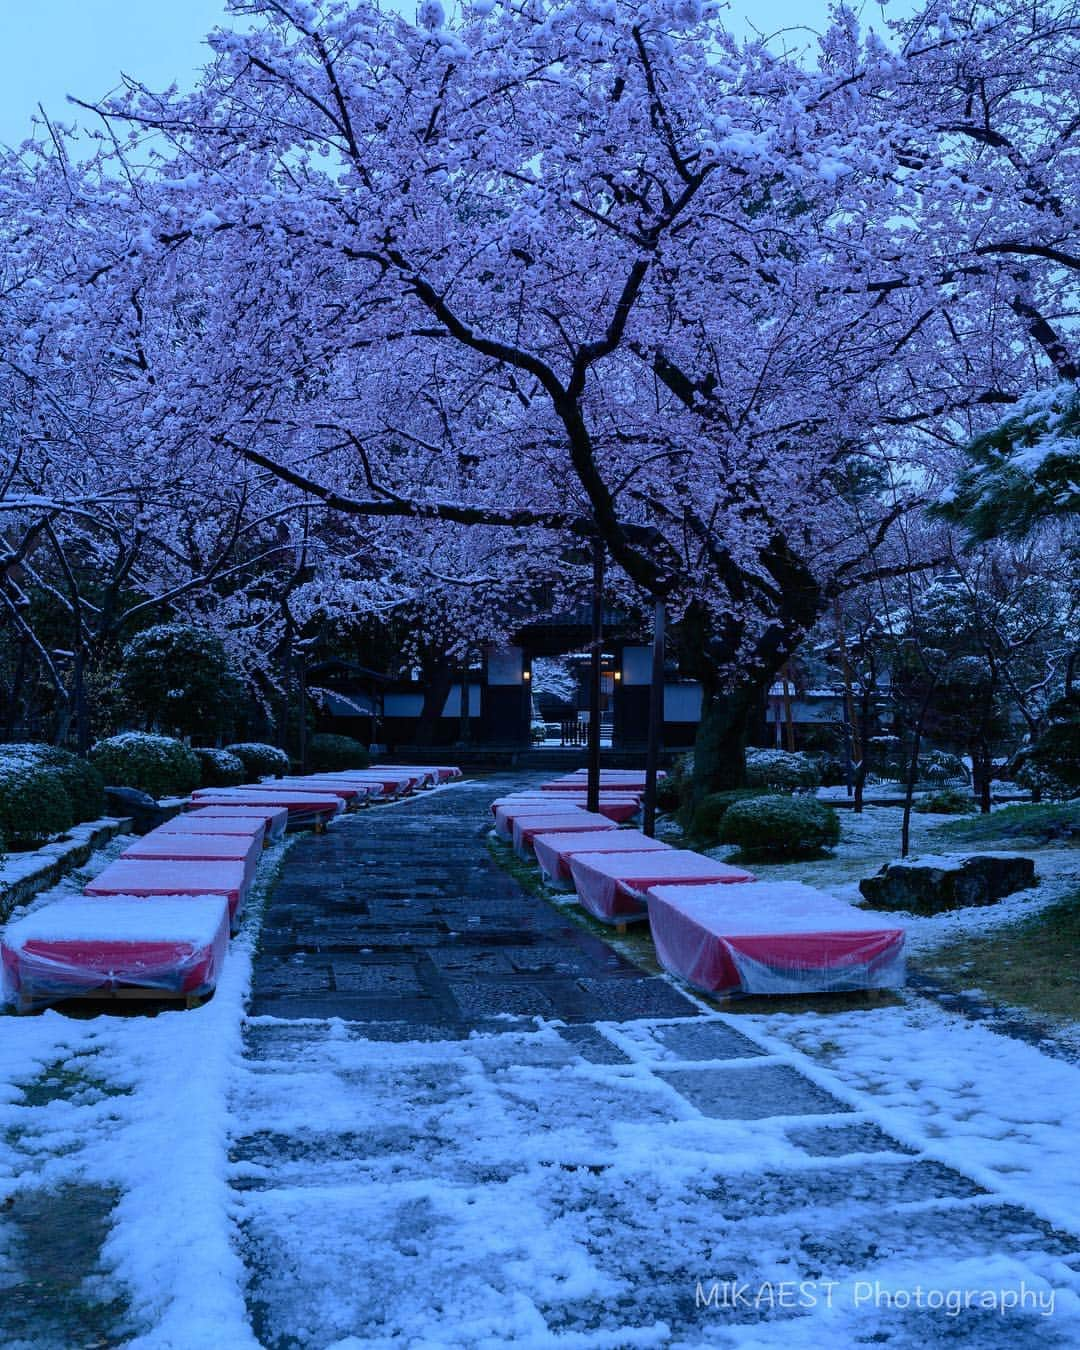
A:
{"points": [[599, 270]]}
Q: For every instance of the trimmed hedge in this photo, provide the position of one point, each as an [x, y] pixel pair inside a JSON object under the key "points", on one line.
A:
{"points": [[34, 804], [80, 779], [159, 765], [780, 827], [259, 760], [327, 752], [781, 769], [220, 768], [711, 810], [948, 802]]}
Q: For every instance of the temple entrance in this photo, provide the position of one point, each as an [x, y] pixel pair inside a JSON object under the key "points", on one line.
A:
{"points": [[560, 700]]}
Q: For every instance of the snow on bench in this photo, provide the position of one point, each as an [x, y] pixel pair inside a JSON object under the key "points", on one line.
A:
{"points": [[616, 809], [385, 784], [612, 886], [554, 851], [150, 877], [126, 945], [630, 779], [161, 846], [304, 808], [529, 824], [351, 793], [274, 817], [238, 827], [775, 937]]}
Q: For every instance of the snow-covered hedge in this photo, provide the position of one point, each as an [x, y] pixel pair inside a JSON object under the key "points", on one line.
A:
{"points": [[80, 779], [34, 805], [160, 765], [711, 810], [781, 827], [327, 752], [782, 769], [260, 761], [220, 768]]}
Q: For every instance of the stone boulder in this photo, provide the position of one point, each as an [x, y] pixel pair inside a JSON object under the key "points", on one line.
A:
{"points": [[928, 885]]}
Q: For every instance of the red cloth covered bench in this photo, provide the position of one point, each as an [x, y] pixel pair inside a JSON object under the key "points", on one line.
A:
{"points": [[146, 877], [80, 946], [161, 846], [612, 886], [526, 826], [554, 851], [775, 937], [275, 817]]}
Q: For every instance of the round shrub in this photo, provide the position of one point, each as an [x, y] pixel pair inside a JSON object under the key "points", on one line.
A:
{"points": [[782, 770], [158, 765], [34, 805], [220, 768], [260, 761], [948, 802], [327, 752], [81, 781], [179, 678], [780, 827], [711, 810]]}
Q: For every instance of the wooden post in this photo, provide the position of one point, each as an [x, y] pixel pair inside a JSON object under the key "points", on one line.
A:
{"points": [[592, 800], [656, 718]]}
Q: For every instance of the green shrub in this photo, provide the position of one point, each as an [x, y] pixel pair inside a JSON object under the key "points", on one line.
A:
{"points": [[710, 811], [220, 768], [781, 827], [948, 802], [939, 766], [327, 752], [178, 677], [34, 804], [260, 761], [158, 765], [781, 769], [673, 790], [81, 781]]}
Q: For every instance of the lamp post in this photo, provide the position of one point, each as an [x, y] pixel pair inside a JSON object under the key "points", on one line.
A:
{"points": [[592, 801], [656, 717]]}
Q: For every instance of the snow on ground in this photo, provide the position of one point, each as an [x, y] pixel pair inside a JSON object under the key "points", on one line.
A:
{"points": [[993, 1106], [143, 1108]]}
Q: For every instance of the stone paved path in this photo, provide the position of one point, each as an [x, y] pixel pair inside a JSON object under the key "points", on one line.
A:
{"points": [[417, 1163], [400, 917]]}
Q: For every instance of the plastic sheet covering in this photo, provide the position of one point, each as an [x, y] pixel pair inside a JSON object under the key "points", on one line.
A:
{"points": [[352, 792], [232, 827], [133, 876], [422, 775], [526, 826], [163, 847], [612, 886], [383, 784], [631, 780], [80, 946], [552, 802], [617, 809], [304, 808], [276, 817], [772, 938], [554, 851]]}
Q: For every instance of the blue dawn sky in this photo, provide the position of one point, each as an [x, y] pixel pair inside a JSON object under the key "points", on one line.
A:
{"points": [[50, 48]]}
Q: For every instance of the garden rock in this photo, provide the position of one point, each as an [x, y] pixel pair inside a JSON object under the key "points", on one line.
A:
{"points": [[930, 884]]}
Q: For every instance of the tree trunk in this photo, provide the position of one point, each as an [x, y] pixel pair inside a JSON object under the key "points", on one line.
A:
{"points": [[913, 771], [440, 678], [720, 748]]}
